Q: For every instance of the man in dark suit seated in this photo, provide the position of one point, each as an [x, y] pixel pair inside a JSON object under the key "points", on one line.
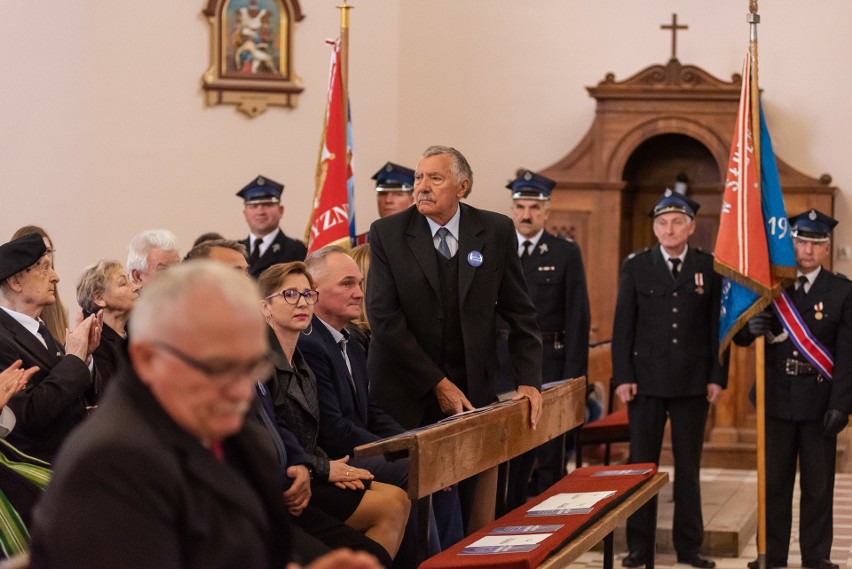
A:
{"points": [[167, 473], [266, 243], [440, 273], [54, 400]]}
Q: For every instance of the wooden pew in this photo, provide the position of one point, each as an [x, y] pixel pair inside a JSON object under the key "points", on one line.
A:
{"points": [[475, 444]]}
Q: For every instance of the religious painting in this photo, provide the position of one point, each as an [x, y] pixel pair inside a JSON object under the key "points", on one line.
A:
{"points": [[252, 54]]}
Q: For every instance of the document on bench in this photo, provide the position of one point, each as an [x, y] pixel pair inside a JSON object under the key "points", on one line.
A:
{"points": [[623, 472], [569, 503], [543, 528], [505, 544]]}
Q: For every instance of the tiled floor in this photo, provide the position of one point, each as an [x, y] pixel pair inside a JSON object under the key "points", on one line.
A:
{"points": [[841, 550]]}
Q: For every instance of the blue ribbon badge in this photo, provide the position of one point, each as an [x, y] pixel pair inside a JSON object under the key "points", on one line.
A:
{"points": [[474, 258]]}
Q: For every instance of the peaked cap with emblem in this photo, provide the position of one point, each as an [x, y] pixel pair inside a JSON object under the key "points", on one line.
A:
{"points": [[812, 225], [394, 178], [531, 186], [20, 254], [675, 202], [261, 190]]}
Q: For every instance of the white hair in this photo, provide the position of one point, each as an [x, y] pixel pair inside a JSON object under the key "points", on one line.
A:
{"points": [[161, 305], [142, 243]]}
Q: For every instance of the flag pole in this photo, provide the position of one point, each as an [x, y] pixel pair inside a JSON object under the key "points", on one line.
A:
{"points": [[344, 49], [753, 18]]}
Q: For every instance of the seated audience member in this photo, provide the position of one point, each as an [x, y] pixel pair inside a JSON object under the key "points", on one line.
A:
{"points": [[150, 252], [53, 401], [345, 492], [54, 315], [167, 473], [211, 236], [107, 286], [231, 253]]}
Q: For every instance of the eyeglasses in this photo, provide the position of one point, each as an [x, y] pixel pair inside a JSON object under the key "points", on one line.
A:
{"points": [[43, 266], [222, 372], [291, 296]]}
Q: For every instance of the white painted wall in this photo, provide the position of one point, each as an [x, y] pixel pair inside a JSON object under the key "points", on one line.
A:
{"points": [[104, 131]]}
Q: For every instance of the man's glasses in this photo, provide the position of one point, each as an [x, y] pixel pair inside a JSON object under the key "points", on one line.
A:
{"points": [[222, 372], [43, 266], [291, 296]]}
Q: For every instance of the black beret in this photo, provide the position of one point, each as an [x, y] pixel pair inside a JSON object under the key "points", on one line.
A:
{"points": [[22, 253]]}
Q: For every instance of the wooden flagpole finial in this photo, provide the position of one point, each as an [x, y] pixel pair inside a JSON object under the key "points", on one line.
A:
{"points": [[752, 6]]}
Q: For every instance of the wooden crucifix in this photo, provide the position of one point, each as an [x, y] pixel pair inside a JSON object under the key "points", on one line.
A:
{"points": [[674, 27]]}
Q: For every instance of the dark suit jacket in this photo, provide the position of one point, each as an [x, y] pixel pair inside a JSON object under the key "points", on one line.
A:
{"points": [[348, 415], [132, 489], [802, 397], [282, 250], [405, 306], [53, 401], [110, 355], [666, 332]]}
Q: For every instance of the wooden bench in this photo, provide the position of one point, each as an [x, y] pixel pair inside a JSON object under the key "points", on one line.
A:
{"points": [[579, 532]]}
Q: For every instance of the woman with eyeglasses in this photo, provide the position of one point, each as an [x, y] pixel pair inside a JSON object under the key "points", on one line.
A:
{"points": [[345, 492], [107, 286]]}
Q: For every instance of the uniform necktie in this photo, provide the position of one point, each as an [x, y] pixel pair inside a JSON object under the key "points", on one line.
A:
{"points": [[527, 245], [675, 266], [342, 343], [52, 345], [800, 290], [443, 247], [255, 251]]}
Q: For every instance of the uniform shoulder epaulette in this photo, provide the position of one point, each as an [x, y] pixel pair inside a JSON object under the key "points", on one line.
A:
{"points": [[637, 253], [841, 276], [700, 250]]}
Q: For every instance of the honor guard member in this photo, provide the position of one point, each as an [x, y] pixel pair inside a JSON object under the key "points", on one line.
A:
{"points": [[394, 191], [267, 245], [556, 281], [807, 400], [665, 366]]}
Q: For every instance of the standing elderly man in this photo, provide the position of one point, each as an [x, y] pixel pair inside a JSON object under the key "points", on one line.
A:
{"points": [[266, 244], [167, 473], [556, 280], [806, 405], [665, 366], [151, 252], [54, 401]]}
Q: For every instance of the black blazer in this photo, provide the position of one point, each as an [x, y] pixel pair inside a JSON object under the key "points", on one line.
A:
{"points": [[405, 306], [803, 397], [110, 356], [666, 332], [349, 417], [132, 489], [282, 250], [53, 401]]}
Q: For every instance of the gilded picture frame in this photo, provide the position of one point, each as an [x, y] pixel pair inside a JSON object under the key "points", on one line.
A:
{"points": [[251, 54]]}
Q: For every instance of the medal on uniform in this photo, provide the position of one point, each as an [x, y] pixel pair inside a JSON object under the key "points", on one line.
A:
{"points": [[818, 307], [699, 283], [542, 249]]}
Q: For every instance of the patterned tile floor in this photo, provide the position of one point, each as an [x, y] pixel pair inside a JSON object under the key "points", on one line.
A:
{"points": [[841, 550]]}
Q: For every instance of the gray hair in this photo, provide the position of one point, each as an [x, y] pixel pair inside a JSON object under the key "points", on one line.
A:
{"points": [[202, 250], [94, 280], [161, 305], [460, 168], [316, 261], [142, 243]]}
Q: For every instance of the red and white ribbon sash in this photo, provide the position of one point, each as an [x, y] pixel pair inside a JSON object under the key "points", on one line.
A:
{"points": [[802, 337]]}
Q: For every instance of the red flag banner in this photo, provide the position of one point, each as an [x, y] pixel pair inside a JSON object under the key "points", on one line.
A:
{"points": [[329, 223]]}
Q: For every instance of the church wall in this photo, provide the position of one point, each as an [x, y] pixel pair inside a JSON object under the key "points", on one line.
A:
{"points": [[104, 131]]}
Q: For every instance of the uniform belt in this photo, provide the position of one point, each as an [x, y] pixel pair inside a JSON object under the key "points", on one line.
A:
{"points": [[796, 367]]}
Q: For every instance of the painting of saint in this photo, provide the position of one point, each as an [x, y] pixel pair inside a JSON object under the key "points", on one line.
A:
{"points": [[252, 37]]}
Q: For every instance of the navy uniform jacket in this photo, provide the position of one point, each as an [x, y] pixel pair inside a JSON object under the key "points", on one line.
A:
{"points": [[405, 307], [556, 281], [348, 415], [132, 489], [665, 335], [283, 249], [53, 401], [804, 397]]}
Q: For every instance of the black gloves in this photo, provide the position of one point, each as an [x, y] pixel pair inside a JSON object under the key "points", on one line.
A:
{"points": [[760, 323], [833, 422]]}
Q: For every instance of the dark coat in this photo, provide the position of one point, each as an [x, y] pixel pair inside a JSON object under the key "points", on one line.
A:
{"points": [[665, 337], [349, 417], [53, 402], [282, 250], [405, 307], [132, 489], [803, 397], [110, 356]]}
